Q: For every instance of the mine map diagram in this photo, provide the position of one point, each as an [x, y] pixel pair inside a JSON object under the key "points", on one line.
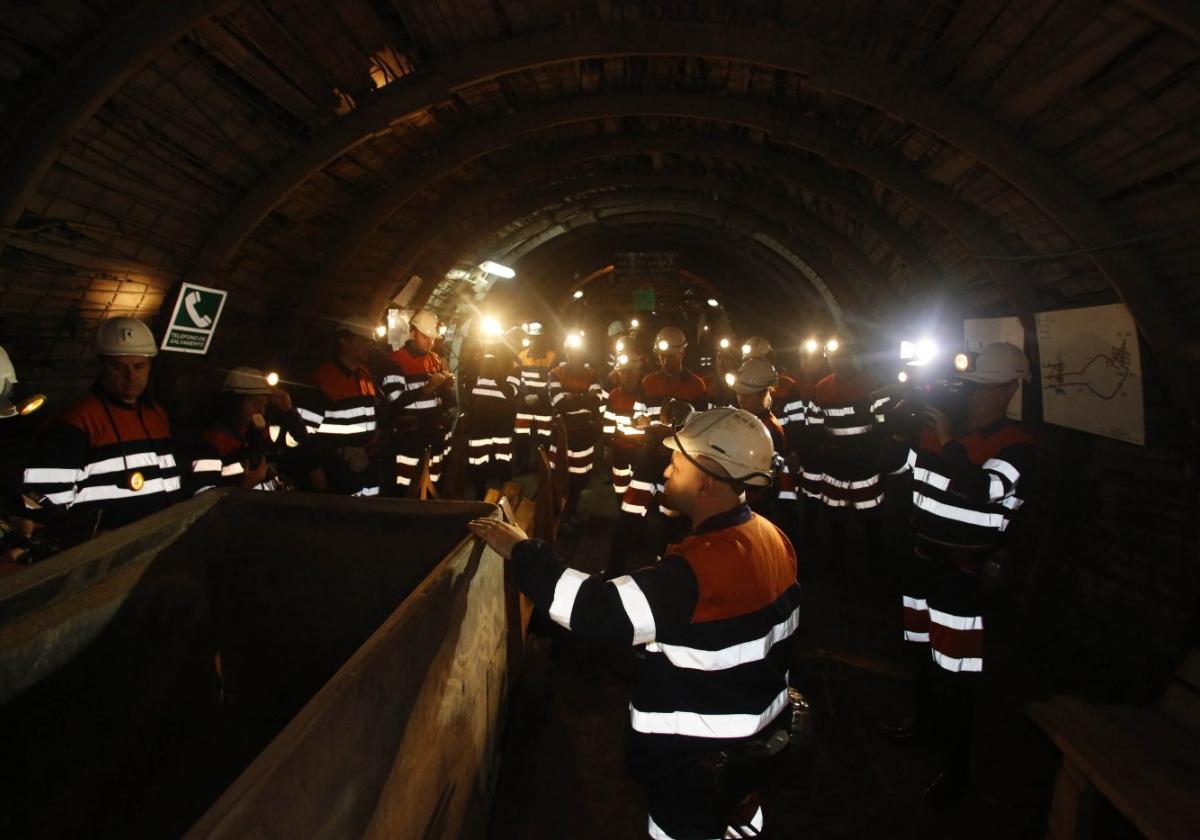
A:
{"points": [[1104, 374]]}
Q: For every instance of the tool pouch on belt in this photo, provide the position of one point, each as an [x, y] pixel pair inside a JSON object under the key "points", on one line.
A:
{"points": [[755, 764]]}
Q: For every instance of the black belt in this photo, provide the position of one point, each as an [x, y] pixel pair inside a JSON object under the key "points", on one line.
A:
{"points": [[969, 559]]}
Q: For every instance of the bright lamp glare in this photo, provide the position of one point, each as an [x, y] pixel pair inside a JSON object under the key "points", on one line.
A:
{"points": [[908, 350], [812, 345], [663, 345], [578, 294], [903, 377], [272, 379], [730, 379], [620, 345], [622, 360], [381, 331], [491, 326], [574, 341], [962, 362], [524, 342], [497, 269], [31, 404], [713, 302], [724, 343], [634, 323], [832, 345], [745, 349], [925, 350], [442, 329]]}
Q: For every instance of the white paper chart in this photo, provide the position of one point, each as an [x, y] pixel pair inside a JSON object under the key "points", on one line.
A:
{"points": [[1092, 371], [980, 331]]}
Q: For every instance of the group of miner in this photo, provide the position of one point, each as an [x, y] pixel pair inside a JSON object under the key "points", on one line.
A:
{"points": [[719, 475]]}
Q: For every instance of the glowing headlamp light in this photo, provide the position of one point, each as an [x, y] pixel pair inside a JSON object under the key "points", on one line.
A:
{"points": [[832, 345], [272, 378], [812, 345]]}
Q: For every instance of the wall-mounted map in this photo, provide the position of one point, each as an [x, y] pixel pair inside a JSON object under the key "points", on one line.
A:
{"points": [[1092, 371]]}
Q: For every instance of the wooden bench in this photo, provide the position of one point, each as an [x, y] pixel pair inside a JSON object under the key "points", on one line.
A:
{"points": [[1144, 760]]}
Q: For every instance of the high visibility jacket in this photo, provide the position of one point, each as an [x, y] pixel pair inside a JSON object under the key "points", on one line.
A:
{"points": [[411, 371], [782, 393], [714, 618], [535, 370], [965, 492], [843, 407], [341, 411], [574, 389], [658, 387], [221, 457], [493, 384], [618, 417], [86, 460]]}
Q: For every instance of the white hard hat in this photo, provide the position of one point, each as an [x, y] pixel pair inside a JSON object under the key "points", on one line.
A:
{"points": [[8, 373], [754, 375], [670, 340], [358, 328], [733, 438], [756, 347], [426, 323], [996, 363], [246, 380], [533, 328], [616, 328], [125, 336], [8, 378]]}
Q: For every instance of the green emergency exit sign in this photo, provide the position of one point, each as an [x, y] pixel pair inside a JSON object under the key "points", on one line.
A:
{"points": [[643, 300]]}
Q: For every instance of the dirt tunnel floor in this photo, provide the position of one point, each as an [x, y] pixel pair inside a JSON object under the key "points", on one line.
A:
{"points": [[562, 775]]}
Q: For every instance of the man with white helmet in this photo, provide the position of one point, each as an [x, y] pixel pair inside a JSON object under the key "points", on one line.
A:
{"points": [[575, 396], [110, 453], [340, 415], [752, 384], [240, 448], [534, 422], [713, 620], [659, 389], [968, 483], [420, 389]]}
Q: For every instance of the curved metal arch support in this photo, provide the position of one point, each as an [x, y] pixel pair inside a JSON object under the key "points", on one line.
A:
{"points": [[828, 185], [845, 253], [692, 234], [822, 268], [782, 125], [753, 237], [901, 92], [767, 210], [724, 262]]}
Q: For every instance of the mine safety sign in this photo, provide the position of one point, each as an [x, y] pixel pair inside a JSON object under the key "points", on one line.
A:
{"points": [[197, 310]]}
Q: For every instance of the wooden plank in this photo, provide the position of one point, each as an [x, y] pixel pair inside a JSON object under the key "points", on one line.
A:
{"points": [[1074, 805], [228, 48], [285, 53], [1137, 768]]}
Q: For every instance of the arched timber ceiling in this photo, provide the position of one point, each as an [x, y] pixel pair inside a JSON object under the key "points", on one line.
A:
{"points": [[1040, 146]]}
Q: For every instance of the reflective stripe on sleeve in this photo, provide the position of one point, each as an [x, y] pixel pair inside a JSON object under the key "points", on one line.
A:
{"points": [[565, 592], [1004, 468], [971, 517], [637, 608]]}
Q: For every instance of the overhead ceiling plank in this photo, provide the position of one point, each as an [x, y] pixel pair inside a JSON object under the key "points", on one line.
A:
{"points": [[83, 85], [900, 92]]}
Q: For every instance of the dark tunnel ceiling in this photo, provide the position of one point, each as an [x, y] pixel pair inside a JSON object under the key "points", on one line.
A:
{"points": [[1019, 155]]}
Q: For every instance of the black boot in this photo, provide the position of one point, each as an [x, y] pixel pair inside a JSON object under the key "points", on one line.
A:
{"points": [[955, 725], [920, 726]]}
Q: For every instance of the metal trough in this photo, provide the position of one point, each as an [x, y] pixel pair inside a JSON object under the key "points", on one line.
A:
{"points": [[257, 665]]}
